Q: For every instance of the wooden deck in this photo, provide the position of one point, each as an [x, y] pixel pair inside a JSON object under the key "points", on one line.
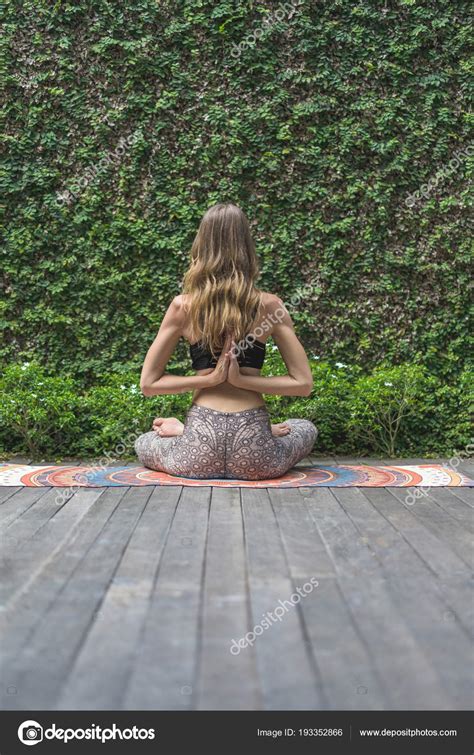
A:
{"points": [[129, 598]]}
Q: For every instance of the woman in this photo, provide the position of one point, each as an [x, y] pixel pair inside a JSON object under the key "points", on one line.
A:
{"points": [[227, 321]]}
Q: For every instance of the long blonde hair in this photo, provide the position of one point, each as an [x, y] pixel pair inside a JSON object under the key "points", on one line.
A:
{"points": [[222, 298]]}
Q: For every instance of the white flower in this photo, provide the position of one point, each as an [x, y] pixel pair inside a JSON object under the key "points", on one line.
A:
{"points": [[123, 387], [133, 389], [25, 365], [274, 348], [389, 384], [340, 364]]}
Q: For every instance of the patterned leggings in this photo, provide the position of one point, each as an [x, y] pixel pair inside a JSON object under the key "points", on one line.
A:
{"points": [[232, 445]]}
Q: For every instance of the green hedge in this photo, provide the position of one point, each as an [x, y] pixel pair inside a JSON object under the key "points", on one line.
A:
{"points": [[393, 411], [323, 130]]}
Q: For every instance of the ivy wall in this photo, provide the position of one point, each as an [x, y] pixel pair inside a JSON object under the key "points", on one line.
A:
{"points": [[342, 128]]}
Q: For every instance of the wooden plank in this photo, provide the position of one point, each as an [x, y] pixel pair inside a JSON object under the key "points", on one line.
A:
{"points": [[306, 462], [13, 507], [39, 671], [348, 675], [20, 459], [453, 506], [320, 461], [35, 517], [466, 495], [417, 595], [164, 673], [466, 466], [7, 492], [292, 683], [454, 576], [441, 524], [104, 663], [20, 619], [24, 559], [225, 681], [393, 646]]}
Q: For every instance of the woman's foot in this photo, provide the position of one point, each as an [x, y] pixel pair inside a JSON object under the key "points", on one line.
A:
{"points": [[167, 427], [280, 429]]}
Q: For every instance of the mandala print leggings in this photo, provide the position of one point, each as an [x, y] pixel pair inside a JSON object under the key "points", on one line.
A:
{"points": [[231, 445]]}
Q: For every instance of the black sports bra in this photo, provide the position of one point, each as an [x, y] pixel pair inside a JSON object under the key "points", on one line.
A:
{"points": [[252, 356]]}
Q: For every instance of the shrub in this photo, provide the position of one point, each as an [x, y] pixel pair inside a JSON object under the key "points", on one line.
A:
{"points": [[327, 406], [393, 410], [39, 413], [383, 402], [116, 412], [453, 412]]}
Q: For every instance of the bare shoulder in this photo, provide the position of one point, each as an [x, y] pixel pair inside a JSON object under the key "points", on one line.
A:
{"points": [[176, 310], [271, 302], [276, 313]]}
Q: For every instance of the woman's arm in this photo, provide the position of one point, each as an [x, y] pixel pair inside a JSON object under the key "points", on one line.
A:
{"points": [[298, 381], [153, 380]]}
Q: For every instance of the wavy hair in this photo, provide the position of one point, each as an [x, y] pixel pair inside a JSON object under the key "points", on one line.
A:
{"points": [[222, 298]]}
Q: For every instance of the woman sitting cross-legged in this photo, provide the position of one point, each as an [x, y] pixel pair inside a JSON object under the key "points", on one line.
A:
{"points": [[227, 321]]}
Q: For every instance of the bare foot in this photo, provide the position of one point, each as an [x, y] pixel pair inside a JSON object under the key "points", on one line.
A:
{"points": [[280, 429], [167, 427]]}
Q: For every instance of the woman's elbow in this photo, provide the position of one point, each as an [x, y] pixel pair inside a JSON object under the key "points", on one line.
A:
{"points": [[147, 388], [306, 388]]}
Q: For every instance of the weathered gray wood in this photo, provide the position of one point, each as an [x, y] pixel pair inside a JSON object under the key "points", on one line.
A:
{"points": [[454, 576], [6, 493], [164, 672], [417, 596], [14, 506], [466, 495], [466, 466], [43, 509], [19, 620], [306, 462], [20, 459], [23, 559], [225, 681], [104, 663], [291, 683], [317, 460], [393, 646], [347, 673], [439, 523], [122, 599], [453, 506], [39, 672]]}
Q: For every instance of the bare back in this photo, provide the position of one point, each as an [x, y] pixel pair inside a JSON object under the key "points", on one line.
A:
{"points": [[227, 397], [242, 388]]}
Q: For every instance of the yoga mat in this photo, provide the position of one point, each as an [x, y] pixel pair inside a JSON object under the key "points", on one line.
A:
{"points": [[341, 476]]}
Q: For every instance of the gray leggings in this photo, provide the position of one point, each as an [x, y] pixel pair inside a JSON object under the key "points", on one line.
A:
{"points": [[232, 445]]}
